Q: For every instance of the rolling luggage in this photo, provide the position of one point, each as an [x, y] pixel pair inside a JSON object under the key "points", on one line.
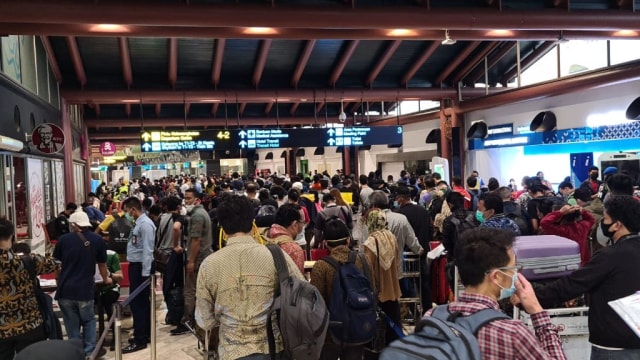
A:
{"points": [[546, 256]]}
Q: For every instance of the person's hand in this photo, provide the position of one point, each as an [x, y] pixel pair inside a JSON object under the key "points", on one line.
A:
{"points": [[571, 303], [526, 296], [566, 209], [107, 281], [191, 267], [178, 249]]}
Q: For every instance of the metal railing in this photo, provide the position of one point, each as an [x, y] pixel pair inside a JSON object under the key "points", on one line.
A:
{"points": [[116, 319]]}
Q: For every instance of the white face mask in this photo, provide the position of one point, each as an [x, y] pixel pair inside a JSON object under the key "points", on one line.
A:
{"points": [[189, 208]]}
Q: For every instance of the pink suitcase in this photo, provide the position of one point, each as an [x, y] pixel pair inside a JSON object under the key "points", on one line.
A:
{"points": [[546, 256]]}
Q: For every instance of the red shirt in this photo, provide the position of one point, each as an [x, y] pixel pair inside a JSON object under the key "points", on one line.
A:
{"points": [[577, 231]]}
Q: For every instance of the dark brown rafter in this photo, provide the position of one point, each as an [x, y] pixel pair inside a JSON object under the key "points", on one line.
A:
{"points": [[214, 108], [562, 4], [127, 109], [76, 60], [187, 108], [268, 107], [534, 56], [473, 62], [158, 109], [173, 62], [302, 62], [294, 107], [426, 54], [261, 61], [492, 61], [382, 61], [348, 51], [217, 62], [319, 107], [457, 61], [52, 58], [241, 109], [125, 58]]}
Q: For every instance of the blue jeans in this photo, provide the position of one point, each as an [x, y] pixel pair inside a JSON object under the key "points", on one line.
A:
{"points": [[76, 313], [603, 354]]}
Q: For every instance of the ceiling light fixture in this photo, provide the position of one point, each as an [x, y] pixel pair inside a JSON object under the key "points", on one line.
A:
{"points": [[402, 32], [260, 31], [343, 116], [625, 33], [209, 100], [500, 33], [109, 28], [447, 39]]}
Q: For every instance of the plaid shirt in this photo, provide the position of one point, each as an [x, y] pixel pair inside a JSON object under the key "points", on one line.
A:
{"points": [[511, 339]]}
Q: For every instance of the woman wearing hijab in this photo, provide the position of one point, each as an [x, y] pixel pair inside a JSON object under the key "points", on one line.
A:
{"points": [[381, 251]]}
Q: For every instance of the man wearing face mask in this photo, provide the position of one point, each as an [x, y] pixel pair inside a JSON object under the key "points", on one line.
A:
{"points": [[609, 275], [199, 246], [592, 183], [289, 222], [490, 214], [487, 268]]}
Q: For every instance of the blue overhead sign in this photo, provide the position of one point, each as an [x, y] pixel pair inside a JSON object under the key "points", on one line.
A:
{"points": [[156, 141]]}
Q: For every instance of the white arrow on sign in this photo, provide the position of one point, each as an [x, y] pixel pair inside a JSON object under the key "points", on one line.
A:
{"points": [[331, 132], [331, 142], [243, 144], [242, 134], [146, 146]]}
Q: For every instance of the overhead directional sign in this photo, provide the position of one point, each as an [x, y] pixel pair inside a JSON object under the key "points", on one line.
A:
{"points": [[155, 141]]}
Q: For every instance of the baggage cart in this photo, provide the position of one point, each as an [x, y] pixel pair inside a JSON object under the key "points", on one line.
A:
{"points": [[411, 305]]}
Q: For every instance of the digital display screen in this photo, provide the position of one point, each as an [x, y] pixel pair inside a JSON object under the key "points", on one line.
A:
{"points": [[629, 167], [157, 141]]}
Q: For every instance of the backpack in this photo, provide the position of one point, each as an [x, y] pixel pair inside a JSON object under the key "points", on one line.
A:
{"points": [[520, 219], [461, 226], [443, 335], [119, 233], [302, 315], [52, 327], [353, 303]]}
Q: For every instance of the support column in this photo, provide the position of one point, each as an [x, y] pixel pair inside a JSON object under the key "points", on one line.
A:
{"points": [[445, 143], [87, 160], [69, 185], [346, 160]]}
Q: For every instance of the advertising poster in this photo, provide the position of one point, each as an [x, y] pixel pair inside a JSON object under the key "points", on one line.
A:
{"points": [[36, 203]]}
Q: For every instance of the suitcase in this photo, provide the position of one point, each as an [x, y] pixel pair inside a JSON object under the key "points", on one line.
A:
{"points": [[546, 256], [439, 282]]}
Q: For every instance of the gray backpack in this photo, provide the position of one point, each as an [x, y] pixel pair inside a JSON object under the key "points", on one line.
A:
{"points": [[303, 317], [443, 335]]}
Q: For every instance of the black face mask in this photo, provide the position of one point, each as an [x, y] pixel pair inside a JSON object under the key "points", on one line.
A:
{"points": [[606, 229], [593, 176]]}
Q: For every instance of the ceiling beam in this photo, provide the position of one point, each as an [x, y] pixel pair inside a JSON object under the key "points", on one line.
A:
{"points": [[51, 55], [173, 62], [125, 58], [462, 56], [187, 108], [158, 109], [426, 54], [303, 34], [263, 96], [382, 61], [214, 108], [614, 75], [339, 17], [241, 109], [179, 122], [474, 61], [302, 62], [525, 63], [217, 62], [347, 52], [127, 109], [268, 107], [261, 61], [492, 61], [294, 107], [76, 59], [319, 107]]}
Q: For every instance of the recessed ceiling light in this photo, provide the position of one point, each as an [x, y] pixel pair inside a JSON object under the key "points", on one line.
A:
{"points": [[130, 101], [107, 28], [260, 31], [500, 32], [402, 32], [625, 33], [209, 100], [303, 100]]}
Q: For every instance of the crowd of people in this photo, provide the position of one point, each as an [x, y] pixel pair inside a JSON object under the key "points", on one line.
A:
{"points": [[220, 276]]}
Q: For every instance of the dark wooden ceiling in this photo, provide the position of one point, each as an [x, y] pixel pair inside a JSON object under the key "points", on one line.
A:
{"points": [[174, 66]]}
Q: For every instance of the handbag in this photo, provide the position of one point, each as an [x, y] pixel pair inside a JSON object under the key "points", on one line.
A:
{"points": [[51, 325], [321, 252]]}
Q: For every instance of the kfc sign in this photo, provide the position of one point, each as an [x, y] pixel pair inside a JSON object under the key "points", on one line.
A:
{"points": [[107, 148], [48, 138]]}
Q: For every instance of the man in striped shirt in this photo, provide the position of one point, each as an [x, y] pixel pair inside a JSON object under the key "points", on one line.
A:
{"points": [[487, 267]]}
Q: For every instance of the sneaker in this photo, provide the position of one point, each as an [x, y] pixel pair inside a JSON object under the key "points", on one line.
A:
{"points": [[180, 330]]}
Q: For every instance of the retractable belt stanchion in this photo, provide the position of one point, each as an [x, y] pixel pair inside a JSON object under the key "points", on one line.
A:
{"points": [[117, 336], [153, 316]]}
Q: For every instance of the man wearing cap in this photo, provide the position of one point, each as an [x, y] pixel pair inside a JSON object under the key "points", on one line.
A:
{"points": [[606, 175], [79, 251]]}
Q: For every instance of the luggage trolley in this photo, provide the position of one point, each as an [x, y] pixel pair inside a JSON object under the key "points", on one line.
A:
{"points": [[411, 302]]}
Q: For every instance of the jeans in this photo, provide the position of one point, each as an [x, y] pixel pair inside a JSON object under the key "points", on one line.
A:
{"points": [[603, 354], [78, 313]]}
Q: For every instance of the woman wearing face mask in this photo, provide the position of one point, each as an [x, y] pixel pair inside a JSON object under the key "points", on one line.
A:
{"points": [[611, 274], [487, 268]]}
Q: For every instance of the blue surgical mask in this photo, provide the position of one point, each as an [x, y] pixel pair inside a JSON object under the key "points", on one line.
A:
{"points": [[506, 293], [480, 216], [396, 205], [129, 217]]}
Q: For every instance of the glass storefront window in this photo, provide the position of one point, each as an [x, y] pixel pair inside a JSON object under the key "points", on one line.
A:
{"points": [[624, 50]]}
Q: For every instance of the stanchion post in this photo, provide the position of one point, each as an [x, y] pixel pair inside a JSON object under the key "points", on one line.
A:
{"points": [[117, 336], [153, 316]]}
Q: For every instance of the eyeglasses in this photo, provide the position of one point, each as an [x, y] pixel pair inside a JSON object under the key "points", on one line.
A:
{"points": [[515, 268]]}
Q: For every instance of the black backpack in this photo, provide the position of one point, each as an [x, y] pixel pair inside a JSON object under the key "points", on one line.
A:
{"points": [[352, 307], [51, 324], [119, 233], [520, 218]]}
